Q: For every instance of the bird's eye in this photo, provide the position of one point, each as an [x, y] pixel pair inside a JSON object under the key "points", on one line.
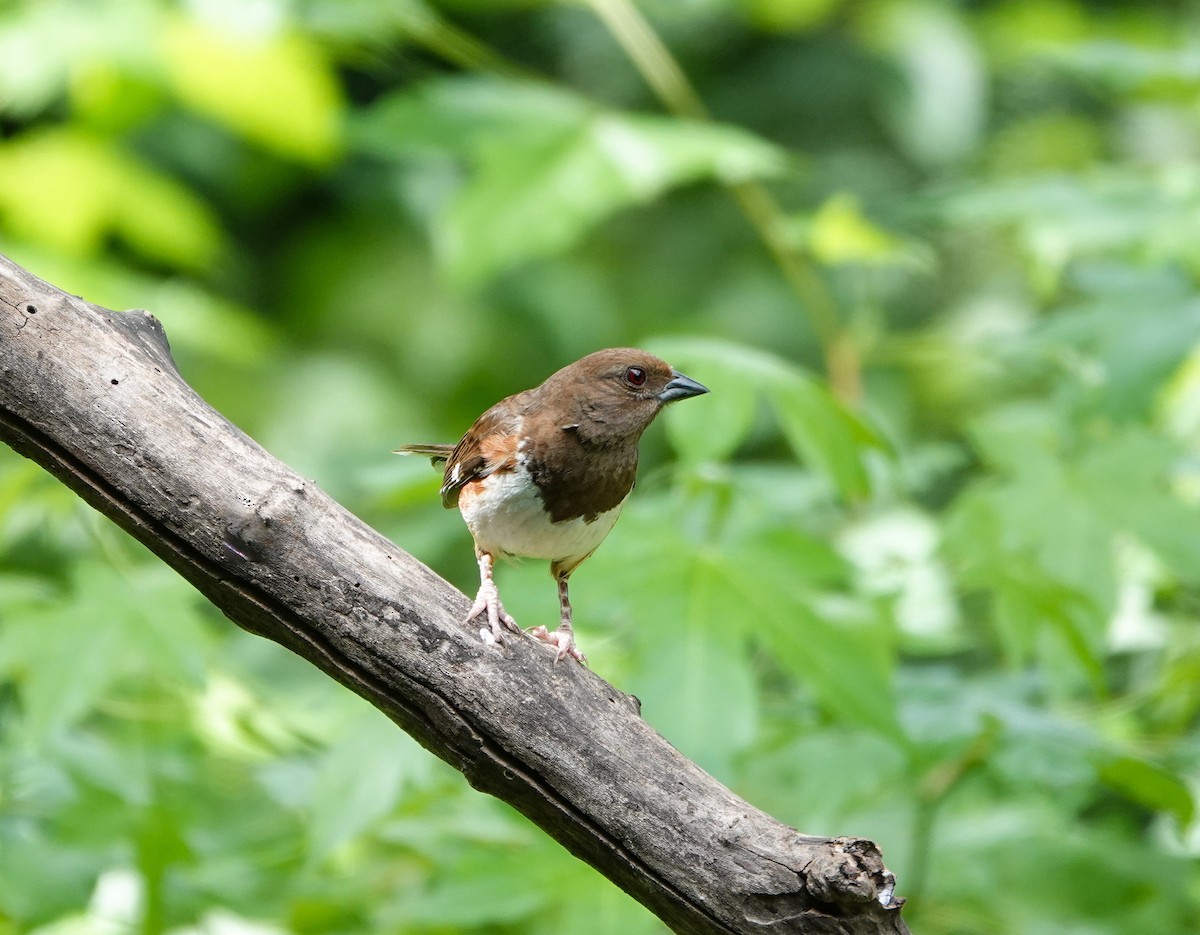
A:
{"points": [[635, 376]]}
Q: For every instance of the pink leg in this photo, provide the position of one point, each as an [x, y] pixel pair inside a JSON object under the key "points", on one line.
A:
{"points": [[488, 600], [563, 639]]}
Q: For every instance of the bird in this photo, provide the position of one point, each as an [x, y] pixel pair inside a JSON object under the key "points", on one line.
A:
{"points": [[544, 473]]}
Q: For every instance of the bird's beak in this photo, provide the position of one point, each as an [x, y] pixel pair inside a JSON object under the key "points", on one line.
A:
{"points": [[681, 387]]}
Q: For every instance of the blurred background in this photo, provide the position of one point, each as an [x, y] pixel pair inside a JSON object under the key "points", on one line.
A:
{"points": [[924, 567]]}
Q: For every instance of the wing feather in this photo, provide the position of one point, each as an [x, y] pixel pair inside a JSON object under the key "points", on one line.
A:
{"points": [[489, 445]]}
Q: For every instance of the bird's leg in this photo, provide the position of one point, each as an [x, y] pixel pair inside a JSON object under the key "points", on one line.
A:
{"points": [[488, 600], [563, 639]]}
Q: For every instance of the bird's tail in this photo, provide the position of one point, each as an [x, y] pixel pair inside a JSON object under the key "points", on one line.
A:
{"points": [[435, 453]]}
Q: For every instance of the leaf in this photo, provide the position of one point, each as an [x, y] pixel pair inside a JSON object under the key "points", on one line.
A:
{"points": [[837, 648], [786, 16], [461, 116], [277, 90], [1123, 369], [684, 655], [1120, 212], [1036, 510], [1045, 559], [540, 199], [1019, 438], [481, 888], [761, 583], [825, 433], [823, 776], [66, 653], [690, 631], [839, 234], [360, 779], [713, 428], [1028, 602], [60, 679], [547, 165], [1179, 404], [938, 114], [203, 323], [598, 908], [830, 437], [1151, 785], [46, 46], [69, 190], [1127, 479]]}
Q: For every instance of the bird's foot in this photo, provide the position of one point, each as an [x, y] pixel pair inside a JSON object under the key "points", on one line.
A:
{"points": [[562, 639], [487, 602]]}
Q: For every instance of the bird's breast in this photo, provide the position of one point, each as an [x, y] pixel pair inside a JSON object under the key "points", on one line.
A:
{"points": [[506, 513]]}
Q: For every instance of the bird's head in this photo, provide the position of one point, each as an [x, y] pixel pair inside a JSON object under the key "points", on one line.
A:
{"points": [[616, 393]]}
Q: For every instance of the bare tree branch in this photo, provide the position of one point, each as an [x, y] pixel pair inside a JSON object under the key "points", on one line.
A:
{"points": [[94, 397]]}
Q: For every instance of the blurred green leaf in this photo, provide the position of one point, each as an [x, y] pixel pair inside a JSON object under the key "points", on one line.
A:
{"points": [[60, 680], [692, 631], [937, 112], [541, 198], [1056, 218], [709, 601], [69, 190], [1027, 602], [359, 780], [840, 650], [1035, 508], [462, 116], [837, 233], [1128, 480], [476, 890], [790, 15], [276, 90], [598, 909], [826, 434], [829, 436], [1151, 785], [104, 628], [1129, 68], [713, 430], [45, 46], [548, 166], [689, 646]]}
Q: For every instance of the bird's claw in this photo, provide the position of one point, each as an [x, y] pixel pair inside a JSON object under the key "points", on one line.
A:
{"points": [[487, 602], [562, 640]]}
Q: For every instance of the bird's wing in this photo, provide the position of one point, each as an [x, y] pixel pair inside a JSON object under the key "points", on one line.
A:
{"points": [[489, 445]]}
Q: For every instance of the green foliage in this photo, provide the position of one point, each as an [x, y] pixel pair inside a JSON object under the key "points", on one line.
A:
{"points": [[545, 165], [71, 190], [923, 566], [279, 91]]}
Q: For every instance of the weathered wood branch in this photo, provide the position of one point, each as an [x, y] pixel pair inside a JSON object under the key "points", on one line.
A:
{"points": [[94, 397]]}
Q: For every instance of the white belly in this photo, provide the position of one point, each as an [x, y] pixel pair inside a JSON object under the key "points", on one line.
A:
{"points": [[508, 517]]}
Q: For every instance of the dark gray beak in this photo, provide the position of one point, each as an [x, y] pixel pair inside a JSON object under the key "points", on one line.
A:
{"points": [[681, 387]]}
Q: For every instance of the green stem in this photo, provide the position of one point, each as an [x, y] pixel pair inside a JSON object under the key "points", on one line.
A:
{"points": [[651, 57], [932, 792], [662, 73], [456, 46], [670, 84]]}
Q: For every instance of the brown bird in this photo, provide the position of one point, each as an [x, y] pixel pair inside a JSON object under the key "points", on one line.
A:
{"points": [[544, 473]]}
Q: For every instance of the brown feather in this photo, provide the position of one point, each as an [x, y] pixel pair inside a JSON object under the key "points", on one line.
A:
{"points": [[477, 455], [582, 426]]}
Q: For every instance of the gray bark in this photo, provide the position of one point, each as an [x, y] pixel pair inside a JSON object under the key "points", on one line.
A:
{"points": [[94, 397]]}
